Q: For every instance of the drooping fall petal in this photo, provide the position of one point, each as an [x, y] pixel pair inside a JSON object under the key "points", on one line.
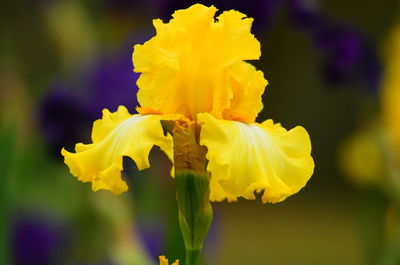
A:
{"points": [[244, 158], [114, 136]]}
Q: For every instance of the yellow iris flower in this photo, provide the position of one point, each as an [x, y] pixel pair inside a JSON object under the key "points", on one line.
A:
{"points": [[193, 71], [164, 261]]}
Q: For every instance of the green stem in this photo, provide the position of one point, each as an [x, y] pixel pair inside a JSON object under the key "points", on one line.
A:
{"points": [[193, 257], [195, 212], [391, 253]]}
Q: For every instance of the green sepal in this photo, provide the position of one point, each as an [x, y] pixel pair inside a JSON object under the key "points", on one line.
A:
{"points": [[195, 212]]}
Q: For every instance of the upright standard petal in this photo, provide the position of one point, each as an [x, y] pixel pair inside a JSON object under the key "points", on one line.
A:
{"points": [[244, 158], [117, 135], [186, 66], [247, 85]]}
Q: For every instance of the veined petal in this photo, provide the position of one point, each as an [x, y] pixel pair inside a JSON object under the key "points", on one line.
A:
{"points": [[117, 135], [244, 158], [103, 126], [186, 66]]}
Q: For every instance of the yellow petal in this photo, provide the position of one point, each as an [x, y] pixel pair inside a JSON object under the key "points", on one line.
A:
{"points": [[244, 158], [164, 261], [186, 67], [114, 136], [247, 85], [103, 126]]}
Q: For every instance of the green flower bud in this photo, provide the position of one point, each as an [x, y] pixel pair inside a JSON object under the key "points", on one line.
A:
{"points": [[192, 189]]}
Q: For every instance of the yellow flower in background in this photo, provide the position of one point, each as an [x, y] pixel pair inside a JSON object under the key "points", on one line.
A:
{"points": [[194, 72], [73, 38], [361, 157], [164, 261], [372, 155], [390, 95]]}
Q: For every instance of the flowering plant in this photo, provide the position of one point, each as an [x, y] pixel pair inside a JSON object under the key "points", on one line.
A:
{"points": [[196, 86]]}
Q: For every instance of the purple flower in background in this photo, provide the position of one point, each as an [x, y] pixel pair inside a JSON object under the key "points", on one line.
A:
{"points": [[263, 11], [305, 14], [112, 82], [152, 235], [348, 57], [68, 107], [63, 117], [38, 240]]}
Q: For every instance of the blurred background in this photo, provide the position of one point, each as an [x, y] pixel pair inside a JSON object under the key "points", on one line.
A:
{"points": [[332, 66]]}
